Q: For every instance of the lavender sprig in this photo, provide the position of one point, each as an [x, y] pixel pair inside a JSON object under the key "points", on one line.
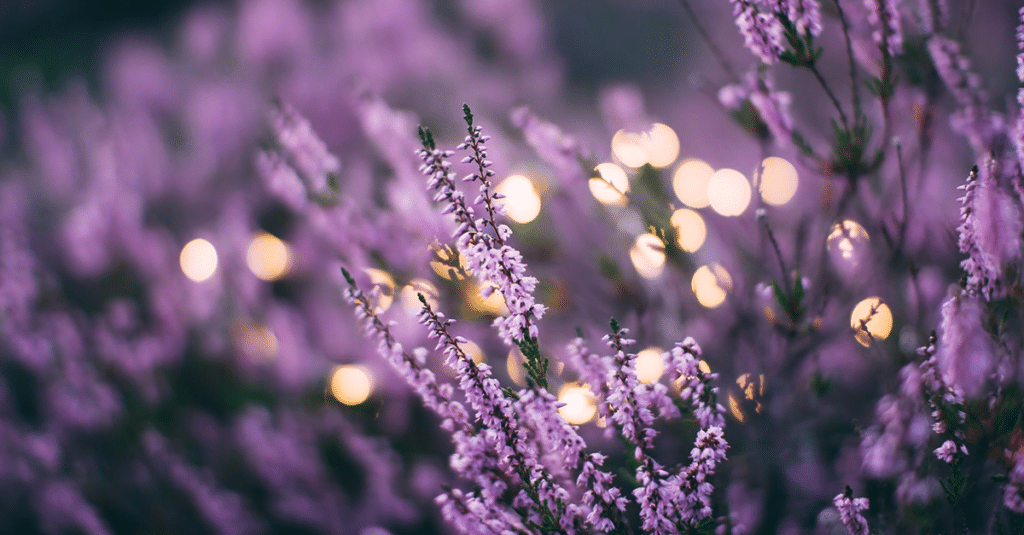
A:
{"points": [[710, 445], [979, 278], [305, 151], [1013, 493], [543, 499], [887, 31], [762, 32], [487, 255], [475, 141], [946, 404], [850, 512], [437, 397]]}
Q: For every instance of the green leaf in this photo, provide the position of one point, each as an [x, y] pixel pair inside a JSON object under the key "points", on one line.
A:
{"points": [[780, 296]]}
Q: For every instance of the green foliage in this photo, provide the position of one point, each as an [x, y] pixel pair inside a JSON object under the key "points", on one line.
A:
{"points": [[427, 138], [791, 303], [535, 364], [955, 486]]}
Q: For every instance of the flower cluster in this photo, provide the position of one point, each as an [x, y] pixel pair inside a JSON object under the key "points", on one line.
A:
{"points": [[762, 32], [487, 255], [884, 18], [850, 511], [173, 339]]}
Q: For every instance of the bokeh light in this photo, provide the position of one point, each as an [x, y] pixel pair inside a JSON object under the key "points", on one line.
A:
{"points": [[845, 238], [711, 284], [255, 340], [198, 260], [522, 203], [473, 351], [493, 304], [752, 387], [351, 384], [874, 315], [690, 229], [580, 406], [648, 256], [649, 365], [735, 409], [660, 145], [514, 367], [382, 289], [612, 186], [411, 301], [728, 192], [444, 262], [778, 181], [690, 182], [268, 257], [628, 148]]}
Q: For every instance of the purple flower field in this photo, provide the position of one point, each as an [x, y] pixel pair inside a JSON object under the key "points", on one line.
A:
{"points": [[386, 267]]}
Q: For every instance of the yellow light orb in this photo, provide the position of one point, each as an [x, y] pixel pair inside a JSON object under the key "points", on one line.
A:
{"points": [[648, 256], [612, 185], [628, 148], [351, 384], [690, 182], [845, 238], [522, 203], [580, 406], [690, 229], [735, 409], [649, 365], [728, 192], [411, 302], [660, 144], [268, 257], [198, 260], [493, 305], [711, 284], [444, 264], [874, 316], [473, 351], [778, 181], [256, 340], [382, 291], [514, 367]]}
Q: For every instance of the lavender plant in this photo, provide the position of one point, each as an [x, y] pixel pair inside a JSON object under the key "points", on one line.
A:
{"points": [[861, 337]]}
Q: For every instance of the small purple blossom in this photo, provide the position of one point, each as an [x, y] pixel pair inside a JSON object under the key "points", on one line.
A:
{"points": [[850, 511], [887, 31], [762, 32], [304, 150], [487, 255], [1013, 493]]}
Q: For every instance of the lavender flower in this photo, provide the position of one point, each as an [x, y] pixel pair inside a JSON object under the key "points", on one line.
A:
{"points": [[505, 431], [1013, 493], [989, 231], [487, 255], [980, 279], [710, 445], [887, 31], [805, 15], [850, 510], [304, 150], [934, 15], [944, 400], [762, 32], [436, 397], [1020, 50]]}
